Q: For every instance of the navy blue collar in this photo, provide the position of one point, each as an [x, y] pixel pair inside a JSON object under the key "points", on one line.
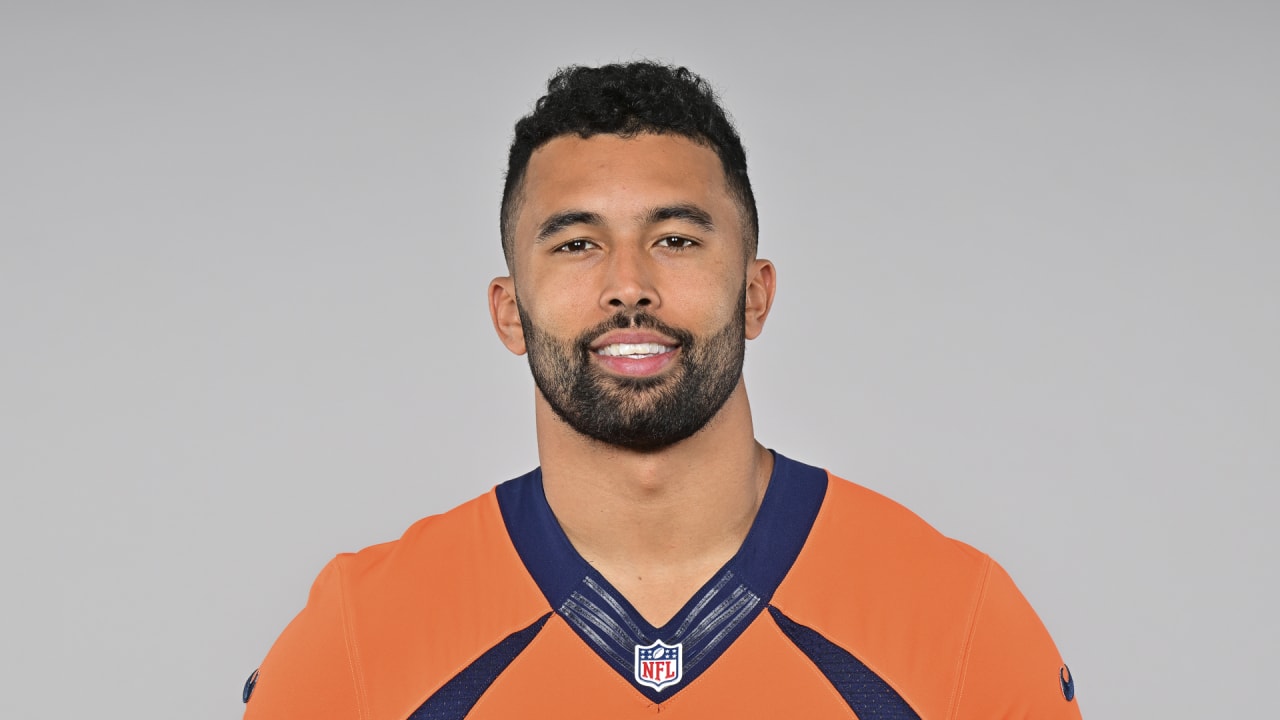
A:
{"points": [[708, 623]]}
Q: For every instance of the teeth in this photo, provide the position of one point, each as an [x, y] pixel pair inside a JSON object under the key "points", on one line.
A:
{"points": [[633, 350]]}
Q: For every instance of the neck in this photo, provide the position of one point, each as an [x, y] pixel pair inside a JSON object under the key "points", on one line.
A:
{"points": [[656, 524]]}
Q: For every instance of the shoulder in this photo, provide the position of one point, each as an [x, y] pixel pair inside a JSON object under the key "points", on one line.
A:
{"points": [[887, 587], [882, 531], [931, 615], [869, 552], [448, 579], [394, 621], [863, 534], [436, 546]]}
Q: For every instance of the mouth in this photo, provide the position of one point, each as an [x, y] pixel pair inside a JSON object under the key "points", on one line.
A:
{"points": [[633, 354], [634, 351]]}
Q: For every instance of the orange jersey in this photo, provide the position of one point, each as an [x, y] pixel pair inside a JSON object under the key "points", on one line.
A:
{"points": [[839, 604]]}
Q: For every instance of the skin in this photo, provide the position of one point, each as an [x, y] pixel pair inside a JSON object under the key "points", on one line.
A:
{"points": [[656, 524]]}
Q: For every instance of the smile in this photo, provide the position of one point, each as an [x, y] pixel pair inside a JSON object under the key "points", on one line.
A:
{"points": [[634, 351]]}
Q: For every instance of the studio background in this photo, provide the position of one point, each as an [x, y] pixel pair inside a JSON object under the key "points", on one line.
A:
{"points": [[1028, 260]]}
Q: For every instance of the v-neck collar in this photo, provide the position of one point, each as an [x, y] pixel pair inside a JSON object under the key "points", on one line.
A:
{"points": [[711, 619]]}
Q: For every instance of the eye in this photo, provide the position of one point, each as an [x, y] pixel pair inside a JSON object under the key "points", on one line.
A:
{"points": [[573, 247], [677, 242]]}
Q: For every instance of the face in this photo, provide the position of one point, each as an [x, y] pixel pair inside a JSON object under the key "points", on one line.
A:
{"points": [[631, 291]]}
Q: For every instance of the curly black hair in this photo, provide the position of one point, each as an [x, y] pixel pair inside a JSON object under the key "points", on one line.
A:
{"points": [[626, 100]]}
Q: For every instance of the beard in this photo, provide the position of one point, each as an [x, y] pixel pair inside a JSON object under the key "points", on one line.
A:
{"points": [[638, 413]]}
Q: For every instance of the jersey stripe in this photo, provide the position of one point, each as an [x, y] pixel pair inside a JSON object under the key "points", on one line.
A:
{"points": [[456, 698], [868, 695]]}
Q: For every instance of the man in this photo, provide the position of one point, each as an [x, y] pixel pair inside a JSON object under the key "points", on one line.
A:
{"points": [[660, 560]]}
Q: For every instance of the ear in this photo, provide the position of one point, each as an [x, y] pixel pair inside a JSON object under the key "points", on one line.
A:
{"points": [[506, 317], [761, 282]]}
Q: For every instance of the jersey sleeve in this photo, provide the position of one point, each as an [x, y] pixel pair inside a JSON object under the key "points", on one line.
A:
{"points": [[312, 671], [1012, 671]]}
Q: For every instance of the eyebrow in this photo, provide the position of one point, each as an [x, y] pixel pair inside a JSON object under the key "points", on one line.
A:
{"points": [[688, 213], [562, 220]]}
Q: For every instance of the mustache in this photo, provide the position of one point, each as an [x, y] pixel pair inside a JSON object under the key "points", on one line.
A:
{"points": [[635, 321]]}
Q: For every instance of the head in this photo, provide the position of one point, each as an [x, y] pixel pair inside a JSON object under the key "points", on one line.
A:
{"points": [[630, 233], [627, 100]]}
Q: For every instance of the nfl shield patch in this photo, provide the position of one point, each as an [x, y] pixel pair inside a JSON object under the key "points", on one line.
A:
{"points": [[659, 665]]}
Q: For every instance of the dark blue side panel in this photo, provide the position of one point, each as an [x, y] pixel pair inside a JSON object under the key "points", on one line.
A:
{"points": [[867, 693], [459, 695]]}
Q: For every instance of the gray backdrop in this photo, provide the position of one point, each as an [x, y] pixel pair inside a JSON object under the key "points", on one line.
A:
{"points": [[1028, 286]]}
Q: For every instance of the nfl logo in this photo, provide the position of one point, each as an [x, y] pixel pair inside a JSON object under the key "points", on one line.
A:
{"points": [[659, 665]]}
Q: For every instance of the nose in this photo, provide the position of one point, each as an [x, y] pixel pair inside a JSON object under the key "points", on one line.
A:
{"points": [[629, 281]]}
